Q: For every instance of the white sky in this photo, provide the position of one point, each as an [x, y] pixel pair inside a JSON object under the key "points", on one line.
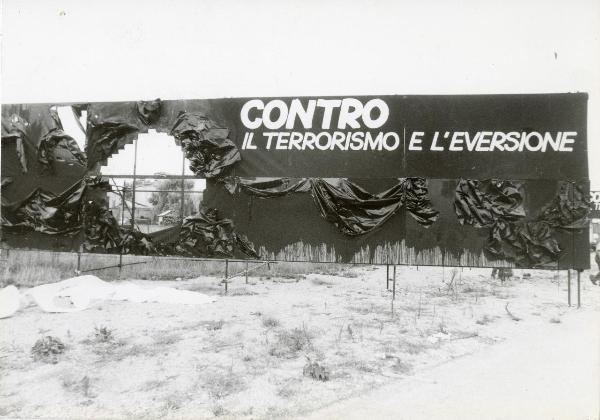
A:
{"points": [[69, 50]]}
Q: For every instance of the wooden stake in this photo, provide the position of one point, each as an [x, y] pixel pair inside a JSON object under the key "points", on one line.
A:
{"points": [[387, 277], [578, 288], [394, 284], [569, 287]]}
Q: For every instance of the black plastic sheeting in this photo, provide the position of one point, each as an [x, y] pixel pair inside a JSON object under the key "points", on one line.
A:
{"points": [[569, 209], [267, 187], [527, 244], [149, 111], [15, 129], [207, 145], [353, 210], [6, 181], [483, 203], [206, 235], [106, 137], [498, 205], [57, 138], [45, 212]]}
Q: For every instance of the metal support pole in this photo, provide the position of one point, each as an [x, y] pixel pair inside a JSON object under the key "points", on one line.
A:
{"points": [[182, 198], [226, 273], [246, 272], [394, 285], [387, 277], [133, 186], [578, 288], [569, 286]]}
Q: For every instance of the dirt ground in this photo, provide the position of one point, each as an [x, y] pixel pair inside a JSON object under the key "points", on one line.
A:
{"points": [[247, 355]]}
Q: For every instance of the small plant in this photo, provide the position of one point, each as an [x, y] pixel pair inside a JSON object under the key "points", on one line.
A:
{"points": [[270, 322], [289, 343], [484, 320], [215, 325], [103, 335], [82, 386], [315, 371], [223, 384], [47, 349]]}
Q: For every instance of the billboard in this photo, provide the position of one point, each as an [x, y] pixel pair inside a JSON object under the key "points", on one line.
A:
{"points": [[595, 202], [473, 180]]}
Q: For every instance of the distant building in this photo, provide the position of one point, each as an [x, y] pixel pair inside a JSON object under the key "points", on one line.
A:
{"points": [[143, 212], [165, 214]]}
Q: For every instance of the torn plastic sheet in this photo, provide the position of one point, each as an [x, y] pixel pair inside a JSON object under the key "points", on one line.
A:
{"points": [[527, 244], [15, 129], [483, 203], [205, 235], [106, 137], [6, 181], [57, 138], [569, 209], [149, 111], [79, 293], [267, 187], [350, 208], [45, 212], [207, 145]]}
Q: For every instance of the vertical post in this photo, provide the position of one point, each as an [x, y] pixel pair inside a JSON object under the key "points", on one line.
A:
{"points": [[578, 288], [122, 208], [394, 284], [569, 286], [79, 261], [226, 273], [120, 262], [387, 277], [181, 213], [133, 186], [246, 271]]}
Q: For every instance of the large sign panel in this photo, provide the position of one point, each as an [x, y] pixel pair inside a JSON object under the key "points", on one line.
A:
{"points": [[595, 202], [479, 180]]}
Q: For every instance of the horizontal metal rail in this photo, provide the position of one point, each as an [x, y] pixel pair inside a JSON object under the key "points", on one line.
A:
{"points": [[127, 176]]}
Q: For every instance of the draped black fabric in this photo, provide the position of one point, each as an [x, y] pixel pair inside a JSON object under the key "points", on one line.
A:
{"points": [[6, 181], [106, 137], [483, 203], [205, 235], [207, 145], [267, 187], [45, 212], [569, 209], [58, 138], [102, 231], [15, 129], [498, 205], [353, 210], [149, 111], [417, 202], [527, 244]]}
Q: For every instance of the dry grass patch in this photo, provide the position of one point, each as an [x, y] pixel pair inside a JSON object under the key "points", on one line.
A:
{"points": [[48, 349], [288, 343], [222, 383]]}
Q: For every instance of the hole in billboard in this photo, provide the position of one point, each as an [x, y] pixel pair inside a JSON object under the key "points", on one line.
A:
{"points": [[164, 193]]}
